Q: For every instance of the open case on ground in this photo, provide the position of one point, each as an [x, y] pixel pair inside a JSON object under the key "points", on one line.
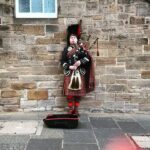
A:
{"points": [[61, 121]]}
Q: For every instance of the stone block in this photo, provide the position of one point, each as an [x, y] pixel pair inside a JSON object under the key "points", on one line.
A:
{"points": [[138, 65], [143, 58], [9, 101], [18, 40], [144, 107], [51, 63], [4, 83], [60, 101], [20, 86], [68, 9], [107, 79], [141, 41], [52, 28], [58, 35], [45, 71], [34, 30], [116, 88], [31, 78], [115, 70], [137, 20], [43, 57], [145, 75], [138, 83], [54, 48], [11, 108], [90, 104], [30, 40], [49, 84], [9, 93], [105, 96], [147, 48], [124, 1], [43, 41], [91, 6], [105, 61], [55, 92], [142, 10], [106, 2], [123, 16], [1, 43], [37, 94], [21, 70]]}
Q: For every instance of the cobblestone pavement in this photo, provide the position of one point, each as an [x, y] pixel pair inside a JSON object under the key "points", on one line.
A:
{"points": [[96, 131]]}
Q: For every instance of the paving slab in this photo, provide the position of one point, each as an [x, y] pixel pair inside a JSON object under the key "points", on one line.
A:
{"points": [[144, 121], [83, 118], [107, 133], [13, 142], [102, 122], [51, 133], [131, 127], [44, 144], [18, 127], [117, 144], [80, 147], [142, 141], [82, 137]]}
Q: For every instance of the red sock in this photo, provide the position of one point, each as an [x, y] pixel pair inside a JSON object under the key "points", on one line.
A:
{"points": [[77, 104], [70, 104]]}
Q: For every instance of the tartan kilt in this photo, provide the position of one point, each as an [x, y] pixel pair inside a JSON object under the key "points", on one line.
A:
{"points": [[66, 91]]}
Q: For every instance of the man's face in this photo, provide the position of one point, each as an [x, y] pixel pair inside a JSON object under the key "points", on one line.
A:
{"points": [[73, 39]]}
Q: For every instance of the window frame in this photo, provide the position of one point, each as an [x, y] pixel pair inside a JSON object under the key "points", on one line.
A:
{"points": [[35, 14]]}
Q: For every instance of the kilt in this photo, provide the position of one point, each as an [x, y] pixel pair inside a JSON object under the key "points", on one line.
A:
{"points": [[67, 91]]}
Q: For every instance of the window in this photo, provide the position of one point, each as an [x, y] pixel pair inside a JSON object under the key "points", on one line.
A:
{"points": [[36, 8]]}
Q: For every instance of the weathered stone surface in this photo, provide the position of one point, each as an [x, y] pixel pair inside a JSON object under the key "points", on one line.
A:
{"points": [[124, 1], [37, 94], [105, 61], [59, 35], [9, 94], [60, 101], [147, 47], [136, 84], [145, 74], [33, 30], [45, 41], [143, 58], [10, 101], [116, 88], [49, 84], [142, 10], [45, 70], [11, 108], [68, 9], [135, 21], [27, 78], [108, 79], [141, 41], [8, 75], [115, 70], [21, 86], [4, 83], [31, 50]]}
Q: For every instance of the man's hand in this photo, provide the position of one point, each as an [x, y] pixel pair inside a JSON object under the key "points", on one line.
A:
{"points": [[72, 67], [77, 63]]}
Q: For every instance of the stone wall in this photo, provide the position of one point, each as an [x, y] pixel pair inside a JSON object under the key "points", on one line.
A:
{"points": [[30, 74]]}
